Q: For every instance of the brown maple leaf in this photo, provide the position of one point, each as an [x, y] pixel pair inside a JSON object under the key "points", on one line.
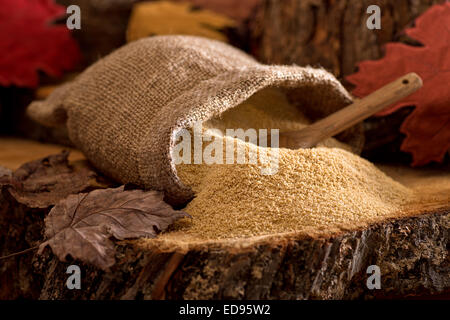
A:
{"points": [[81, 225], [44, 182], [427, 128]]}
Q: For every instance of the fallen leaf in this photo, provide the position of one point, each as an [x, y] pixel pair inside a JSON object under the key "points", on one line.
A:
{"points": [[30, 43], [164, 18], [235, 9], [44, 182], [81, 225], [427, 128]]}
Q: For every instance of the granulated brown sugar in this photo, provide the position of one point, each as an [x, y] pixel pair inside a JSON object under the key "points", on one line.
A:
{"points": [[320, 188], [259, 112]]}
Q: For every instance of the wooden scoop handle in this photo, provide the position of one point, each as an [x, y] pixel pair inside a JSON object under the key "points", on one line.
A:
{"points": [[352, 114]]}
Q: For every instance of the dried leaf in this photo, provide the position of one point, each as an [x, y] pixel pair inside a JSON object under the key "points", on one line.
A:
{"points": [[236, 9], [30, 43], [82, 224], [44, 182], [164, 17], [427, 128]]}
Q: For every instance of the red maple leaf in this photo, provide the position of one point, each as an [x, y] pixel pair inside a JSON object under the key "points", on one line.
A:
{"points": [[427, 128], [29, 42]]}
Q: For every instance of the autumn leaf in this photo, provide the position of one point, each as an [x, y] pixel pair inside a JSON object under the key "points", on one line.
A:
{"points": [[44, 182], [30, 43], [427, 128], [81, 225], [165, 18], [236, 9]]}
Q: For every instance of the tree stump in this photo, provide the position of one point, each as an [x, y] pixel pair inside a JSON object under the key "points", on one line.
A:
{"points": [[411, 252]]}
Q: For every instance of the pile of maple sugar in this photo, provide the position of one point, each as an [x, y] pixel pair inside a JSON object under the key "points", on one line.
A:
{"points": [[320, 189]]}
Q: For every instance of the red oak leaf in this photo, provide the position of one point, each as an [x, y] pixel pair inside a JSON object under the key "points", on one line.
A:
{"points": [[427, 128], [28, 42]]}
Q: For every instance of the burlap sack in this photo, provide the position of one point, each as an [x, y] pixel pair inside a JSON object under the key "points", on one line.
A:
{"points": [[125, 110]]}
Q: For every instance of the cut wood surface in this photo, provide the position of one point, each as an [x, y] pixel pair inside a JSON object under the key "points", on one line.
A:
{"points": [[411, 251], [14, 152]]}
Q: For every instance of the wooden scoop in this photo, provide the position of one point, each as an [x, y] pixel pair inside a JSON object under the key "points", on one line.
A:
{"points": [[352, 114]]}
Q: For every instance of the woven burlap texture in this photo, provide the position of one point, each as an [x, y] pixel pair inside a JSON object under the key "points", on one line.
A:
{"points": [[124, 111]]}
